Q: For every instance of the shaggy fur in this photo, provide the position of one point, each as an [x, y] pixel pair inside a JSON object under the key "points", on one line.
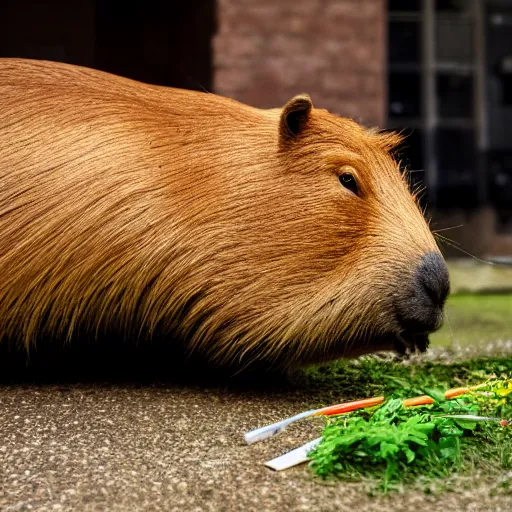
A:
{"points": [[155, 212]]}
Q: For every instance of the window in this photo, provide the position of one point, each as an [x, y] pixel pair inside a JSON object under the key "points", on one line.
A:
{"points": [[432, 91]]}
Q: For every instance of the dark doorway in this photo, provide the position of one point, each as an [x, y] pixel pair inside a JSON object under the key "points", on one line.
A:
{"points": [[499, 94], [159, 42]]}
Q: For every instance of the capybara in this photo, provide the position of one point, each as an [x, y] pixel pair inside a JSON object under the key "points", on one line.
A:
{"points": [[282, 236]]}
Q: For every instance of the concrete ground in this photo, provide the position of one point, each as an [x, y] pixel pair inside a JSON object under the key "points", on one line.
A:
{"points": [[174, 447]]}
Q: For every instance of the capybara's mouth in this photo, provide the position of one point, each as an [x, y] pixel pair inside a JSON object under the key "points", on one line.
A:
{"points": [[403, 343], [407, 343]]}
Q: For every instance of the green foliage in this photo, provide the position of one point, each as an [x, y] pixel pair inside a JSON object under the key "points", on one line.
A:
{"points": [[371, 376], [392, 445]]}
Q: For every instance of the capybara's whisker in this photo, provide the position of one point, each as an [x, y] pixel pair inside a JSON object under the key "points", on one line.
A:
{"points": [[456, 246], [445, 239], [436, 231], [452, 338]]}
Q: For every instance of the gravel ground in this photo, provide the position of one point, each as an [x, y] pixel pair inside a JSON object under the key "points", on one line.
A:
{"points": [[173, 447]]}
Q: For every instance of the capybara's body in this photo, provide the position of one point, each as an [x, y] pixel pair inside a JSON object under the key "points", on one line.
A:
{"points": [[284, 235]]}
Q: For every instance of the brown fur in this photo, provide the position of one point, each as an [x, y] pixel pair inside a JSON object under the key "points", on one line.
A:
{"points": [[148, 211]]}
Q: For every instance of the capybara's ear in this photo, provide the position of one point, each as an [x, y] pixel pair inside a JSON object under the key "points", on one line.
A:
{"points": [[295, 115]]}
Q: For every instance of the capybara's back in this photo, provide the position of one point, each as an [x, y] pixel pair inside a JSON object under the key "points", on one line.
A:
{"points": [[285, 236]]}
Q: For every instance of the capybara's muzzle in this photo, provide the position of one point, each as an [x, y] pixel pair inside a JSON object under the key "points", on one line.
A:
{"points": [[420, 308]]}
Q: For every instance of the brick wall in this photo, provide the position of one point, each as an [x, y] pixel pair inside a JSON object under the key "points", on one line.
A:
{"points": [[266, 51]]}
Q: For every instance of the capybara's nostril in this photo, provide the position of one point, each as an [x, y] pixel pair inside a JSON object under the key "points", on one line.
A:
{"points": [[432, 279], [420, 308]]}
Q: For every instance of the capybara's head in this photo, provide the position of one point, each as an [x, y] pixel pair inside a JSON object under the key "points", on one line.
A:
{"points": [[324, 253], [320, 250], [286, 236]]}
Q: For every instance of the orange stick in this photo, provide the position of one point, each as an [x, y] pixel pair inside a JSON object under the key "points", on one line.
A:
{"points": [[418, 400], [452, 393], [427, 400], [349, 406]]}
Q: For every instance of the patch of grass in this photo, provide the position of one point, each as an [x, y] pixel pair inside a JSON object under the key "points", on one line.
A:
{"points": [[472, 319], [371, 376], [397, 446]]}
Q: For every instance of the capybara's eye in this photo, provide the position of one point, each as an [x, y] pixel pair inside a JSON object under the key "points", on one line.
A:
{"points": [[348, 181]]}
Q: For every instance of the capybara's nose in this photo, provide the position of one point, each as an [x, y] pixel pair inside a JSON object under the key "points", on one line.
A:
{"points": [[432, 279], [422, 311]]}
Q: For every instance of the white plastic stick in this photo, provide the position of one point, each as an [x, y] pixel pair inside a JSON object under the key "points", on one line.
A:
{"points": [[271, 430], [294, 457]]}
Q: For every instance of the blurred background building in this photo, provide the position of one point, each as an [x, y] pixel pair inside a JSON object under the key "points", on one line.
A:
{"points": [[440, 70]]}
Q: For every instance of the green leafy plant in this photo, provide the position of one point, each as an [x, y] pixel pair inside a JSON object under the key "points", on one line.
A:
{"points": [[393, 445]]}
